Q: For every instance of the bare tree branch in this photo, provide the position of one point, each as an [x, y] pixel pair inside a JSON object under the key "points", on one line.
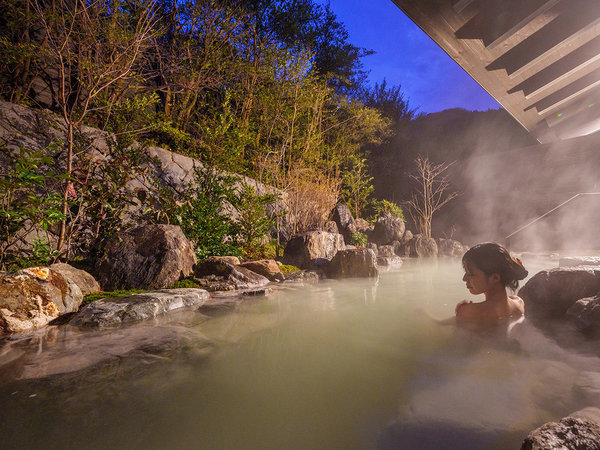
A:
{"points": [[433, 192]]}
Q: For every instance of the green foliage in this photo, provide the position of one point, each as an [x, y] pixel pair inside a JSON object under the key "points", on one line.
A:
{"points": [[29, 203], [388, 100], [357, 184], [219, 213], [185, 283], [118, 293], [382, 206], [358, 239], [103, 195], [253, 222], [200, 212], [266, 89], [287, 268]]}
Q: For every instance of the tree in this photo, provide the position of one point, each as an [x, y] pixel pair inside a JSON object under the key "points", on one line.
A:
{"points": [[357, 184], [433, 192], [89, 48]]}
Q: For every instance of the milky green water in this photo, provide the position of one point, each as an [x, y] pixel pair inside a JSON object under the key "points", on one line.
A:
{"points": [[340, 364]]}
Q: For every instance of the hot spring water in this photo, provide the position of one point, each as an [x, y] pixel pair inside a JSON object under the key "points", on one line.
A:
{"points": [[339, 364]]}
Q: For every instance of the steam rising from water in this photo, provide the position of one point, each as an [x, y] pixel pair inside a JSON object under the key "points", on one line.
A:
{"points": [[502, 191]]}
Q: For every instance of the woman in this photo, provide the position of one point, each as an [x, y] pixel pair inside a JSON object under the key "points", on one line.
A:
{"points": [[490, 270]]}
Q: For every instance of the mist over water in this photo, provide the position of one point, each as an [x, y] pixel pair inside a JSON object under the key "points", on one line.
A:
{"points": [[339, 364], [510, 189]]}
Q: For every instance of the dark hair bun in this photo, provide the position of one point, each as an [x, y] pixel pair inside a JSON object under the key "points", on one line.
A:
{"points": [[518, 269]]}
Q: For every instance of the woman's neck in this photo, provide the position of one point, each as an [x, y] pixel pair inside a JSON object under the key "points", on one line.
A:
{"points": [[496, 295]]}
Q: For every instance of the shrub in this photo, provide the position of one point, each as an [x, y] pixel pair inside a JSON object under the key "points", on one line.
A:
{"points": [[29, 203], [185, 283], [252, 223], [379, 207], [286, 268], [358, 239]]}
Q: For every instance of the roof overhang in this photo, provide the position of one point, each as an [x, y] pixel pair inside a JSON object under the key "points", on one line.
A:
{"points": [[540, 59]]}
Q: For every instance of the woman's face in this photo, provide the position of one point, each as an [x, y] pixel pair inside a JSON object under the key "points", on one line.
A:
{"points": [[477, 281]]}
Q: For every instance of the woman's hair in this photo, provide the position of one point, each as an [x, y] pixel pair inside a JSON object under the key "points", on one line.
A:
{"points": [[493, 258]]}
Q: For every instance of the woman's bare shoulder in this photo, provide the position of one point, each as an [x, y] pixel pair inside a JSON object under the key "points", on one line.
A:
{"points": [[468, 310], [516, 298], [518, 303]]}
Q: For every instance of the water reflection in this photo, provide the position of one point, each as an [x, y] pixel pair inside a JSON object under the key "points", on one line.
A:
{"points": [[339, 364], [486, 384]]}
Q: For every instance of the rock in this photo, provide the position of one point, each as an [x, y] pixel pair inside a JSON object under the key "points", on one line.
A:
{"points": [[388, 228], [362, 226], [401, 248], [353, 263], [302, 250], [228, 259], [579, 261], [570, 433], [86, 282], [302, 275], [550, 293], [331, 227], [451, 247], [33, 297], [422, 247], [114, 311], [585, 313], [266, 267], [386, 251], [389, 261], [215, 274], [373, 246], [146, 257], [342, 216]]}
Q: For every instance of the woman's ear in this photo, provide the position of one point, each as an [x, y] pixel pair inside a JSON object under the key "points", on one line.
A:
{"points": [[495, 277]]}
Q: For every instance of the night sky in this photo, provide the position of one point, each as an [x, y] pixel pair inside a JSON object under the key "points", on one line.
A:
{"points": [[405, 55]]}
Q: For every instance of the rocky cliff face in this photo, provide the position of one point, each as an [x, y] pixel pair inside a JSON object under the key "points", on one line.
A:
{"points": [[23, 127]]}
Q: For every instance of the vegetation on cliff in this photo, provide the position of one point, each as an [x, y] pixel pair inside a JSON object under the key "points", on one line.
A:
{"points": [[272, 90]]}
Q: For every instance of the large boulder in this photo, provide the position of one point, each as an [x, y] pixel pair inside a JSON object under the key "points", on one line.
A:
{"points": [[402, 247], [362, 226], [550, 293], [571, 432], [109, 312], [266, 267], [388, 228], [86, 282], [585, 314], [342, 216], [331, 227], [306, 249], [386, 250], [146, 257], [31, 298], [451, 248], [216, 274], [360, 262], [422, 247]]}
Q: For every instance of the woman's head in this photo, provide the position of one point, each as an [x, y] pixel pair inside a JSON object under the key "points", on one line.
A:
{"points": [[493, 258]]}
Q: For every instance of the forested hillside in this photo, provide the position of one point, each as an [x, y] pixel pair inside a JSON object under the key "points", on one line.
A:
{"points": [[268, 89]]}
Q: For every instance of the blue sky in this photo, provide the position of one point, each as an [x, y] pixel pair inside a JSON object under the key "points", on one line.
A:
{"points": [[405, 55]]}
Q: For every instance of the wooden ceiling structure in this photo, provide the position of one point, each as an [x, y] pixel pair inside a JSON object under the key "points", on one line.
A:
{"points": [[540, 59]]}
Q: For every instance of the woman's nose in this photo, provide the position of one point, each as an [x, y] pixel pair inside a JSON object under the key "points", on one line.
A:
{"points": [[464, 277]]}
